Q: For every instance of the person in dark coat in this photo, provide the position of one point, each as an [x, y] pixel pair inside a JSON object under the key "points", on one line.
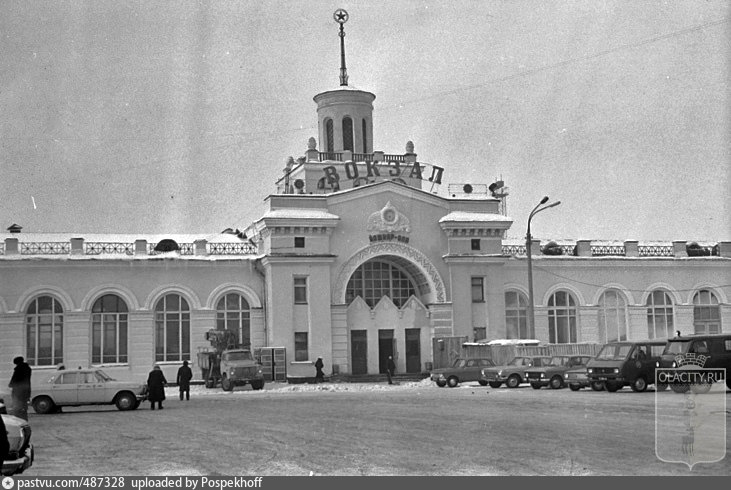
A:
{"points": [[184, 376], [20, 387], [156, 385], [319, 374], [390, 369]]}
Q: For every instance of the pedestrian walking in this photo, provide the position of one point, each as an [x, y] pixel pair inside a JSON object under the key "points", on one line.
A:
{"points": [[20, 388], [390, 369], [319, 374], [184, 376], [156, 387]]}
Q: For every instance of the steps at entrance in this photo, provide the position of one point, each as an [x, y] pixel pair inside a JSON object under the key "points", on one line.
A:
{"points": [[378, 378]]}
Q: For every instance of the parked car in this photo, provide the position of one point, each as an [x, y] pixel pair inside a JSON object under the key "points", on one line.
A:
{"points": [[86, 387], [576, 378], [715, 349], [619, 364], [462, 370], [513, 373], [552, 374], [20, 455]]}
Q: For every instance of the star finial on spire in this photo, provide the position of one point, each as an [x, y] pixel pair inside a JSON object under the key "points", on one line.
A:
{"points": [[341, 17]]}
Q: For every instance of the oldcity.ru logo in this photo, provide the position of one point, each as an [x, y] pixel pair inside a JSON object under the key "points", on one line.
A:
{"points": [[690, 418]]}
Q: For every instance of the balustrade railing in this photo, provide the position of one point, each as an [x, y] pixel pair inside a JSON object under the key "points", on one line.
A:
{"points": [[45, 248], [98, 248], [655, 250], [231, 249], [607, 250]]}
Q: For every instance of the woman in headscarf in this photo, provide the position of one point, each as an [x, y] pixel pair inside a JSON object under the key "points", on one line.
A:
{"points": [[156, 385]]}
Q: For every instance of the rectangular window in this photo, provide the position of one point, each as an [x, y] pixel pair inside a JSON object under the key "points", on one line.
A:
{"points": [[299, 242], [300, 346], [478, 294], [300, 290], [475, 244], [480, 333]]}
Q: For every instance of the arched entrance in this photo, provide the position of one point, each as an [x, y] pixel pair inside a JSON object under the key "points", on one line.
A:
{"points": [[385, 288]]}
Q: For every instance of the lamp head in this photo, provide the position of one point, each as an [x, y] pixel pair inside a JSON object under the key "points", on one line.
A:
{"points": [[544, 200]]}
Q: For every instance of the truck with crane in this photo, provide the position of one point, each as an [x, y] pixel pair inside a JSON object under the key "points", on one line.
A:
{"points": [[229, 363]]}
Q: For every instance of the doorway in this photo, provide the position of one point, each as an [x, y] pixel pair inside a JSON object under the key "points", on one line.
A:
{"points": [[413, 350], [386, 348], [359, 351]]}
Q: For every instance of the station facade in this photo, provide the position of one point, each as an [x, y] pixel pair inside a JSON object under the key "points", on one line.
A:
{"points": [[360, 255]]}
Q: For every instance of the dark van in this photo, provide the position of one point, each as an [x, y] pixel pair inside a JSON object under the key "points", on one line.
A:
{"points": [[625, 363], [715, 349]]}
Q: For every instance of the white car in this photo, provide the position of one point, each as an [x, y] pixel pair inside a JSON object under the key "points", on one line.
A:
{"points": [[71, 388], [20, 456]]}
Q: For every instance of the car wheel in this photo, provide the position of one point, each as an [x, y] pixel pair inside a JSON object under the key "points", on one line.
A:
{"points": [[661, 386], [257, 384], [575, 387], [612, 386], [442, 383], [536, 386], [679, 388], [43, 405], [210, 383], [597, 385], [482, 382], [453, 381], [639, 385], [494, 384], [126, 401], [556, 382], [513, 381], [226, 384], [700, 388]]}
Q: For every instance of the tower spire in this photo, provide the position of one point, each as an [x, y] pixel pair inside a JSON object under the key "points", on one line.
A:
{"points": [[341, 17]]}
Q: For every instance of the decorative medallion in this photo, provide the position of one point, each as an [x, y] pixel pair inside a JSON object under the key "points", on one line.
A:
{"points": [[388, 224]]}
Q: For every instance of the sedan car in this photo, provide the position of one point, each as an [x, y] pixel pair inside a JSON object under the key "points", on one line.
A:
{"points": [[513, 373], [462, 370], [552, 374], [86, 387], [20, 455]]}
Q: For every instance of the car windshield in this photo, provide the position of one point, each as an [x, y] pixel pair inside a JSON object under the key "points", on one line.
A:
{"points": [[103, 375], [238, 356], [613, 352], [517, 361], [677, 347], [558, 361], [458, 363]]}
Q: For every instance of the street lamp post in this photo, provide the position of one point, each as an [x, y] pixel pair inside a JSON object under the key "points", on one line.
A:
{"points": [[528, 240]]}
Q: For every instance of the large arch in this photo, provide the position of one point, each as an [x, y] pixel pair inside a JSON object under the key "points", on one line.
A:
{"points": [[122, 291], [66, 302], [429, 282], [161, 291], [249, 294]]}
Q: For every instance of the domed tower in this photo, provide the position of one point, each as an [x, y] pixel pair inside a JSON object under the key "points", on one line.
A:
{"points": [[345, 115]]}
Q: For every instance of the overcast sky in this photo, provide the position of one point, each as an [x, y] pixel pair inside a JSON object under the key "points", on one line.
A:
{"points": [[177, 117]]}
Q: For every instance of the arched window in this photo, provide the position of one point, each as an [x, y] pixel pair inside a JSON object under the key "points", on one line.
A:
{"points": [[44, 332], [706, 312], [516, 316], [375, 279], [329, 136], [612, 317], [347, 133], [109, 330], [561, 318], [659, 315], [365, 136], [233, 313], [172, 329]]}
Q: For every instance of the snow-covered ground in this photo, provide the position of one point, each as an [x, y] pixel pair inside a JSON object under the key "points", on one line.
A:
{"points": [[270, 388]]}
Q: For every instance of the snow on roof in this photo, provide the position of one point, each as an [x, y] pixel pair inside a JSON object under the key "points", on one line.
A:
{"points": [[122, 238], [300, 214], [474, 217]]}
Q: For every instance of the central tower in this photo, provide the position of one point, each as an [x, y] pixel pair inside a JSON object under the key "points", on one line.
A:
{"points": [[345, 115]]}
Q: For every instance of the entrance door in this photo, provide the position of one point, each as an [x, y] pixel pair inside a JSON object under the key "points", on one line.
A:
{"points": [[273, 363], [385, 349], [413, 350], [359, 351]]}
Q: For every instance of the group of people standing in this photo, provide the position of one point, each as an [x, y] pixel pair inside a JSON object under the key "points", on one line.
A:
{"points": [[156, 385]]}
